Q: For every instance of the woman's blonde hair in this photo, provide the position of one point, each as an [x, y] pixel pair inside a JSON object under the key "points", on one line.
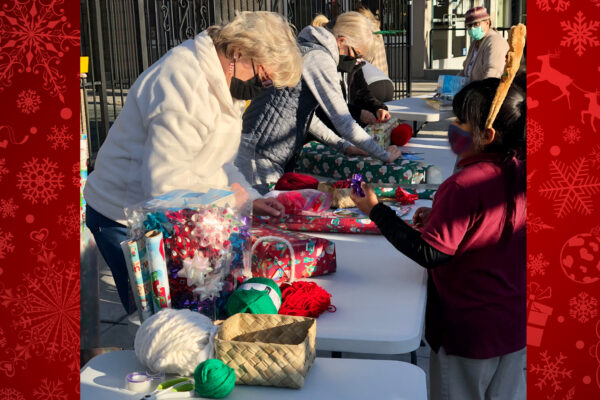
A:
{"points": [[370, 16], [267, 38], [353, 26]]}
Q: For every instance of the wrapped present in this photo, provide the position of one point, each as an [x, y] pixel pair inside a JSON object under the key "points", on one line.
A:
{"points": [[271, 258], [324, 161], [349, 220], [537, 313], [382, 131], [341, 195]]}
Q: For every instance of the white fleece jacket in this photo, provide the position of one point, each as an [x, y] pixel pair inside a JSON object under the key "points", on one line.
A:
{"points": [[179, 129]]}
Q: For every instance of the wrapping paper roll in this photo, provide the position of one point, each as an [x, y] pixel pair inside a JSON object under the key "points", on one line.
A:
{"points": [[159, 278], [143, 298]]}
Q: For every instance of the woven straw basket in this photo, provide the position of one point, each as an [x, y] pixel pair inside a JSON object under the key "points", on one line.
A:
{"points": [[267, 349]]}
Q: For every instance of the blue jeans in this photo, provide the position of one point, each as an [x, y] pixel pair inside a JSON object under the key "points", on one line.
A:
{"points": [[108, 235]]}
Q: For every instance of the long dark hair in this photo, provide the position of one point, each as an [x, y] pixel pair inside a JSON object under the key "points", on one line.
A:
{"points": [[472, 104]]}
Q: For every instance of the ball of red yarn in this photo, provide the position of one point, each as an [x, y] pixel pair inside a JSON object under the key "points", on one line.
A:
{"points": [[305, 299], [401, 134]]}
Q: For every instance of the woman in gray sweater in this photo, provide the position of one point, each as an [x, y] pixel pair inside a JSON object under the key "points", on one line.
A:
{"points": [[275, 124]]}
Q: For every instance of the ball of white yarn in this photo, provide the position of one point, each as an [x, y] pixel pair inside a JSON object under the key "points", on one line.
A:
{"points": [[175, 341]]}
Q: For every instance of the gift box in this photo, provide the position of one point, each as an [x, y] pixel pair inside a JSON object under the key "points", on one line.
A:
{"points": [[324, 161], [271, 258], [327, 222], [537, 314], [381, 132]]}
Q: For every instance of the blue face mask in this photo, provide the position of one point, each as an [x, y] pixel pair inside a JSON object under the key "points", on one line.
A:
{"points": [[476, 33], [460, 140]]}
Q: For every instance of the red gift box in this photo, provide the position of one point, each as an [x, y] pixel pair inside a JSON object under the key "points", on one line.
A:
{"points": [[537, 314], [325, 222], [271, 257]]}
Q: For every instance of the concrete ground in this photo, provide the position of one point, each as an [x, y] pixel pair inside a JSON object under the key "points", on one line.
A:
{"points": [[112, 330]]}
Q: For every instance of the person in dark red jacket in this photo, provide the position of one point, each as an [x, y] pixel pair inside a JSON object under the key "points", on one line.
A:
{"points": [[472, 242]]}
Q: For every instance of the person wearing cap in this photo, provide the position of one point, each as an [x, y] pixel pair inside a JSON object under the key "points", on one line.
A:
{"points": [[487, 53]]}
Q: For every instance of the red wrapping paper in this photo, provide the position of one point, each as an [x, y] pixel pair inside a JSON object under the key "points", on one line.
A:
{"points": [[313, 256], [326, 222]]}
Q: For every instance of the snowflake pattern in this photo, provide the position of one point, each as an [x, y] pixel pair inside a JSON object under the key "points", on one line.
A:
{"points": [[3, 169], [551, 371], [77, 174], [559, 5], [535, 136], [571, 134], [59, 138], [40, 181], [594, 156], [46, 305], [35, 38], [596, 3], [535, 224], [3, 340], [536, 264], [8, 208], [70, 221], [595, 231], [583, 307], [11, 394], [28, 101], [6, 243], [571, 187], [579, 33], [50, 390]]}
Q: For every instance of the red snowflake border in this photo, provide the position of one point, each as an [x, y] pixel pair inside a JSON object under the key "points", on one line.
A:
{"points": [[579, 33], [40, 181]]}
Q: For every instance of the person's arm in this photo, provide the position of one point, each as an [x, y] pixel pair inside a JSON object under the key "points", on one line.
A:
{"points": [[406, 239], [495, 57], [326, 135], [320, 74]]}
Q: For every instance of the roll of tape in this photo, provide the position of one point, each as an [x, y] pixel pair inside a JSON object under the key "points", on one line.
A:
{"points": [[139, 382]]}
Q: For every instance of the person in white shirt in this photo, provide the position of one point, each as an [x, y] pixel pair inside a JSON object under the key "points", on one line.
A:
{"points": [[181, 125]]}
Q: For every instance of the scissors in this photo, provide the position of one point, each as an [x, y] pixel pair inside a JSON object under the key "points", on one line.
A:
{"points": [[177, 385]]}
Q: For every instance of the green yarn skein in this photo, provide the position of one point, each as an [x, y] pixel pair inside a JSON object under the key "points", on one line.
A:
{"points": [[213, 379], [254, 301]]}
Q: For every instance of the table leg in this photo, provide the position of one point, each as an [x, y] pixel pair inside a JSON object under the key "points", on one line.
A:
{"points": [[413, 357], [415, 128], [336, 354]]}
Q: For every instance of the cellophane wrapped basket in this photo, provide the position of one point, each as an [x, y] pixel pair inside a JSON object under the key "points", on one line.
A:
{"points": [[267, 349]]}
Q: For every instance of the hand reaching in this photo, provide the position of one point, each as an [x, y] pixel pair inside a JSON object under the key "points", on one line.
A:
{"points": [[395, 153], [421, 217], [383, 115], [268, 206], [365, 204]]}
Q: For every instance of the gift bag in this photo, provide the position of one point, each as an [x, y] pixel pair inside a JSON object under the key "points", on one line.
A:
{"points": [[271, 257], [196, 244]]}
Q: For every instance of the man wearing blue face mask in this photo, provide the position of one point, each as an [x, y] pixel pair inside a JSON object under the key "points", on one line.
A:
{"points": [[487, 53]]}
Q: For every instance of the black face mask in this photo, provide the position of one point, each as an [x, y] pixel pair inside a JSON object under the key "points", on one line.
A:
{"points": [[245, 90], [346, 64]]}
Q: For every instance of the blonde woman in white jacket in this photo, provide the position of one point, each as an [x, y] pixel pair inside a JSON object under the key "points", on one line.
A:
{"points": [[181, 125]]}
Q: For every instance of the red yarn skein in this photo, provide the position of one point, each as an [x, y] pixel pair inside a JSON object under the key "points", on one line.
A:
{"points": [[304, 299], [401, 134]]}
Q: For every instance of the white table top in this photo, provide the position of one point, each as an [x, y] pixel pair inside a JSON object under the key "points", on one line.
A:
{"points": [[380, 297], [415, 109], [103, 377]]}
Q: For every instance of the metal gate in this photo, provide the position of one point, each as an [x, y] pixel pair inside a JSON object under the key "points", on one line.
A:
{"points": [[123, 37]]}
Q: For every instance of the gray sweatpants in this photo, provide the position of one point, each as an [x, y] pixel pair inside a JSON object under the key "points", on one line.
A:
{"points": [[459, 378]]}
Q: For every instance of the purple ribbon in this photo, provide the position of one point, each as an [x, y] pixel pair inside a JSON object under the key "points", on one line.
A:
{"points": [[355, 184]]}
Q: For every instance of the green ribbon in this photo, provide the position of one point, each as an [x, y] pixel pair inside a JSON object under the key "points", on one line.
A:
{"points": [[389, 32]]}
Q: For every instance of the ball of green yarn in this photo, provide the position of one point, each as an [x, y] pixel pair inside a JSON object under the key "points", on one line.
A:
{"points": [[213, 379], [254, 301]]}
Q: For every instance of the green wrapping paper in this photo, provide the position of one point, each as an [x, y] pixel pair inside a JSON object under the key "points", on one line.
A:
{"points": [[321, 160]]}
